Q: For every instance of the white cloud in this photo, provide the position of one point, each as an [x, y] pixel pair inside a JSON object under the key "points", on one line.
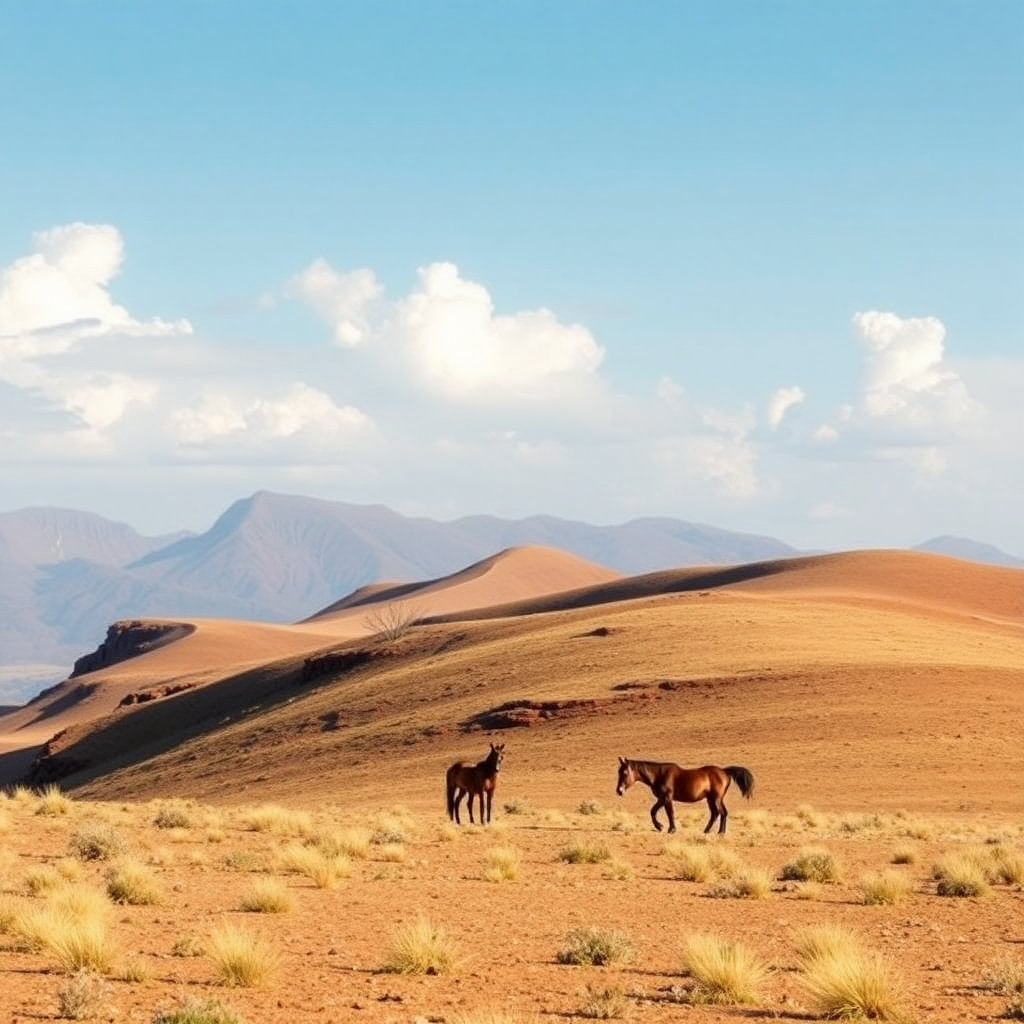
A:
{"points": [[825, 433], [341, 300], [463, 349], [781, 402], [54, 301], [301, 412], [907, 378]]}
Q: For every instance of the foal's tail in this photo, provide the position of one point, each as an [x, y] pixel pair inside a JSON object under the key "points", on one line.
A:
{"points": [[743, 777]]}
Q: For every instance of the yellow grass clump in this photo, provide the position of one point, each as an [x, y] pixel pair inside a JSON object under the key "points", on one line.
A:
{"points": [[420, 948], [130, 881], [191, 1010], [603, 1002], [852, 984], [961, 873], [811, 864], [266, 896], [323, 870], [53, 803], [97, 840], [585, 853], [501, 864], [595, 947], [722, 971], [277, 820], [242, 958], [884, 888]]}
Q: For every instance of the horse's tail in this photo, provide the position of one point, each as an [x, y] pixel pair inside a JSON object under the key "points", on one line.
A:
{"points": [[743, 777], [449, 789]]}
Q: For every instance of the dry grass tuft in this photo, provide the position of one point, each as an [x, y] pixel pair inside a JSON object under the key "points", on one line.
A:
{"points": [[198, 1011], [130, 881], [603, 1002], [501, 864], [420, 948], [904, 855], [81, 996], [175, 814], [242, 958], [884, 888], [1008, 865], [852, 983], [42, 878], [961, 873], [585, 853], [277, 820], [812, 864], [266, 896], [690, 863], [324, 871], [749, 883], [824, 941], [1005, 975], [722, 971], [595, 947], [53, 803], [97, 840]]}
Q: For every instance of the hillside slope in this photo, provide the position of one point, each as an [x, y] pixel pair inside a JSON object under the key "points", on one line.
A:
{"points": [[897, 676]]}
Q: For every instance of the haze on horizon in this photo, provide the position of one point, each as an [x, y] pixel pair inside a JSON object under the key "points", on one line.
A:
{"points": [[751, 265]]}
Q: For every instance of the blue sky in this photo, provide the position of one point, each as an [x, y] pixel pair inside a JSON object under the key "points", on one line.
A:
{"points": [[754, 264]]}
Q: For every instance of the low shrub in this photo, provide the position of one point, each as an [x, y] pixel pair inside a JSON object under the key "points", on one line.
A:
{"points": [[595, 947]]}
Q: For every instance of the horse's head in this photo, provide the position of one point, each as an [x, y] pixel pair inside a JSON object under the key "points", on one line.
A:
{"points": [[497, 755], [627, 775]]}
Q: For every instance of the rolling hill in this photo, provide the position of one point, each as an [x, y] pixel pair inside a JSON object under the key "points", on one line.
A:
{"points": [[897, 672]]}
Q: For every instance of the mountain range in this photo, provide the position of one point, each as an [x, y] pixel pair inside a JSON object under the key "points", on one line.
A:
{"points": [[65, 575]]}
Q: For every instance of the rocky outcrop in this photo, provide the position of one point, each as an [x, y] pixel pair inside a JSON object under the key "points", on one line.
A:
{"points": [[128, 639]]}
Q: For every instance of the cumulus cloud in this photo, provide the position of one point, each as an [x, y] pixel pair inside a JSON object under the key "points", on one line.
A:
{"points": [[300, 412], [448, 335], [907, 377], [781, 402], [463, 348], [341, 300], [54, 301]]}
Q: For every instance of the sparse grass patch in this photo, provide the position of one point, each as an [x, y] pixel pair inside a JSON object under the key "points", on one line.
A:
{"points": [[690, 863], [244, 860], [809, 816], [595, 947], [420, 947], [191, 1010], [809, 891], [175, 814], [619, 870], [722, 971], [1008, 865], [42, 878], [130, 881], [393, 853], [749, 883], [353, 843], [812, 864], [53, 803], [133, 972], [494, 1017], [828, 941], [187, 945], [81, 996], [323, 870], [884, 888], [277, 820], [516, 806], [501, 864], [852, 983], [603, 1002], [960, 874], [266, 896], [1005, 975], [585, 853], [589, 807], [904, 855], [242, 958], [97, 840]]}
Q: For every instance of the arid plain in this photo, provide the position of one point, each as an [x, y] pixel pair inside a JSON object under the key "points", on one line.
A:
{"points": [[878, 698]]}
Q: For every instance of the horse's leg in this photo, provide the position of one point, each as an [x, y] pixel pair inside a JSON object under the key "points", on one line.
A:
{"points": [[490, 799], [712, 807], [654, 813], [724, 814], [459, 794], [469, 804], [670, 811]]}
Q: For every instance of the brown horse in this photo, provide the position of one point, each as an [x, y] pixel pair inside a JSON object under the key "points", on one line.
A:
{"points": [[471, 780], [669, 782]]}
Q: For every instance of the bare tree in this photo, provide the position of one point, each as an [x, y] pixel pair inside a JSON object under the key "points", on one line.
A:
{"points": [[392, 620]]}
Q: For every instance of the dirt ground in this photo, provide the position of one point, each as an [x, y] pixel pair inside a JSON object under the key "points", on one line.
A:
{"points": [[331, 946]]}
